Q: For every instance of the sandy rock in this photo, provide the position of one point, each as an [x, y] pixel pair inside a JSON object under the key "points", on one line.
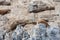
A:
{"points": [[38, 6], [11, 24], [32, 26], [28, 28]]}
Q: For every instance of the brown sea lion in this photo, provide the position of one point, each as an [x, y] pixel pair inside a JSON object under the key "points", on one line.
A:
{"points": [[4, 11]]}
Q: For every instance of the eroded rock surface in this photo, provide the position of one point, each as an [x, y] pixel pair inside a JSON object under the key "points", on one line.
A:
{"points": [[38, 6], [21, 20]]}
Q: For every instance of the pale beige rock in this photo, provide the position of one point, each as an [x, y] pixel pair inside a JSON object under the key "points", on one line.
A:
{"points": [[12, 23], [28, 28]]}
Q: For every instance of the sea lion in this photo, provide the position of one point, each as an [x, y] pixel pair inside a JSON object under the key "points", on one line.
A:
{"points": [[4, 11]]}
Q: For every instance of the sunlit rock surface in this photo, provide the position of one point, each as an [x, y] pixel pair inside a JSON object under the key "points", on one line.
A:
{"points": [[39, 32], [23, 20], [38, 6]]}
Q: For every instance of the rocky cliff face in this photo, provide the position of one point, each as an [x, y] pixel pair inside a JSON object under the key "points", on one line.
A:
{"points": [[29, 20]]}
